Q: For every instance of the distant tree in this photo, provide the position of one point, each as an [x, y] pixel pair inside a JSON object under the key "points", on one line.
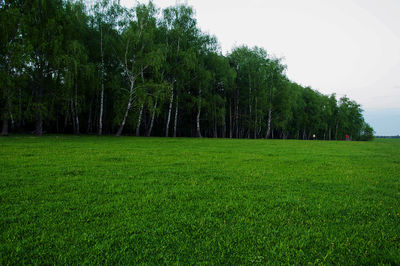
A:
{"points": [[367, 132]]}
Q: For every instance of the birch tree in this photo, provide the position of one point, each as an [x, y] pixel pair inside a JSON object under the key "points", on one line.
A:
{"points": [[181, 38], [141, 54], [106, 17]]}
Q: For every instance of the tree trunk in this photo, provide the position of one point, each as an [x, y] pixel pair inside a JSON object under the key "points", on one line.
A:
{"points": [[73, 115], [66, 116], [337, 125], [139, 121], [249, 131], [38, 114], [100, 132], [76, 109], [269, 114], [169, 113], [237, 114], [269, 122], [176, 114], [259, 128], [215, 132], [89, 126], [38, 124], [4, 130], [152, 118], [230, 118], [198, 131], [223, 133], [19, 123], [121, 127], [11, 118], [128, 107], [255, 121]]}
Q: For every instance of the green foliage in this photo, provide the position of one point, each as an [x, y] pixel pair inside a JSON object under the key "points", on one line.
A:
{"points": [[74, 200], [70, 68], [367, 132]]}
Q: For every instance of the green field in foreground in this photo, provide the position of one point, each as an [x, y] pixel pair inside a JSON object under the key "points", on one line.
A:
{"points": [[129, 200]]}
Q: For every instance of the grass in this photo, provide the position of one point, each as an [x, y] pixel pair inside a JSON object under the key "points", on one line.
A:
{"points": [[91, 200]]}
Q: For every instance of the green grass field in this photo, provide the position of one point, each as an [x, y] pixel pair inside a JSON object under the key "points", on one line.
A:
{"points": [[70, 200]]}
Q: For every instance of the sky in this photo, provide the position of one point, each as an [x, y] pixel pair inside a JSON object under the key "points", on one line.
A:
{"points": [[347, 47]]}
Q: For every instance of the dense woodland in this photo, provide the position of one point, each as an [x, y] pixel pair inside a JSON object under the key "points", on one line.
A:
{"points": [[67, 67]]}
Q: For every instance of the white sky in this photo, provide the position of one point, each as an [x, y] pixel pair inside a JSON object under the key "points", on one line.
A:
{"points": [[348, 47]]}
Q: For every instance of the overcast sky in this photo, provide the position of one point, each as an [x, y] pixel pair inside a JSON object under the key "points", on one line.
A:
{"points": [[347, 47]]}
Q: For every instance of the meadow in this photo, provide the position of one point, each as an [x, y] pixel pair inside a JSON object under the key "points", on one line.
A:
{"points": [[107, 200]]}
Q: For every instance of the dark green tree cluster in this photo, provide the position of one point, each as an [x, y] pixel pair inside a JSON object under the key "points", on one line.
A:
{"points": [[102, 69]]}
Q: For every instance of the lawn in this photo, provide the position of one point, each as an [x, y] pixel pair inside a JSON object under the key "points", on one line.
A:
{"points": [[107, 200]]}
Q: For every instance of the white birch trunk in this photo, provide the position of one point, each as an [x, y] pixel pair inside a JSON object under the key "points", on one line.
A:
{"points": [[230, 118], [152, 118], [76, 108], [128, 107], [255, 121], [237, 114], [176, 114], [269, 122], [139, 121], [198, 116], [121, 127], [102, 84], [169, 113], [248, 133]]}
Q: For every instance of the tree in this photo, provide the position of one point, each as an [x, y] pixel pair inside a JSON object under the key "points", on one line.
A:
{"points": [[42, 34], [105, 19], [12, 58], [367, 132], [141, 54], [182, 35], [77, 67]]}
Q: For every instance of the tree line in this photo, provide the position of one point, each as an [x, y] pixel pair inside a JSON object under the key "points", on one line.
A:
{"points": [[66, 67]]}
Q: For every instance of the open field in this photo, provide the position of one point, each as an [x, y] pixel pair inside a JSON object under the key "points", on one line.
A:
{"points": [[133, 200]]}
